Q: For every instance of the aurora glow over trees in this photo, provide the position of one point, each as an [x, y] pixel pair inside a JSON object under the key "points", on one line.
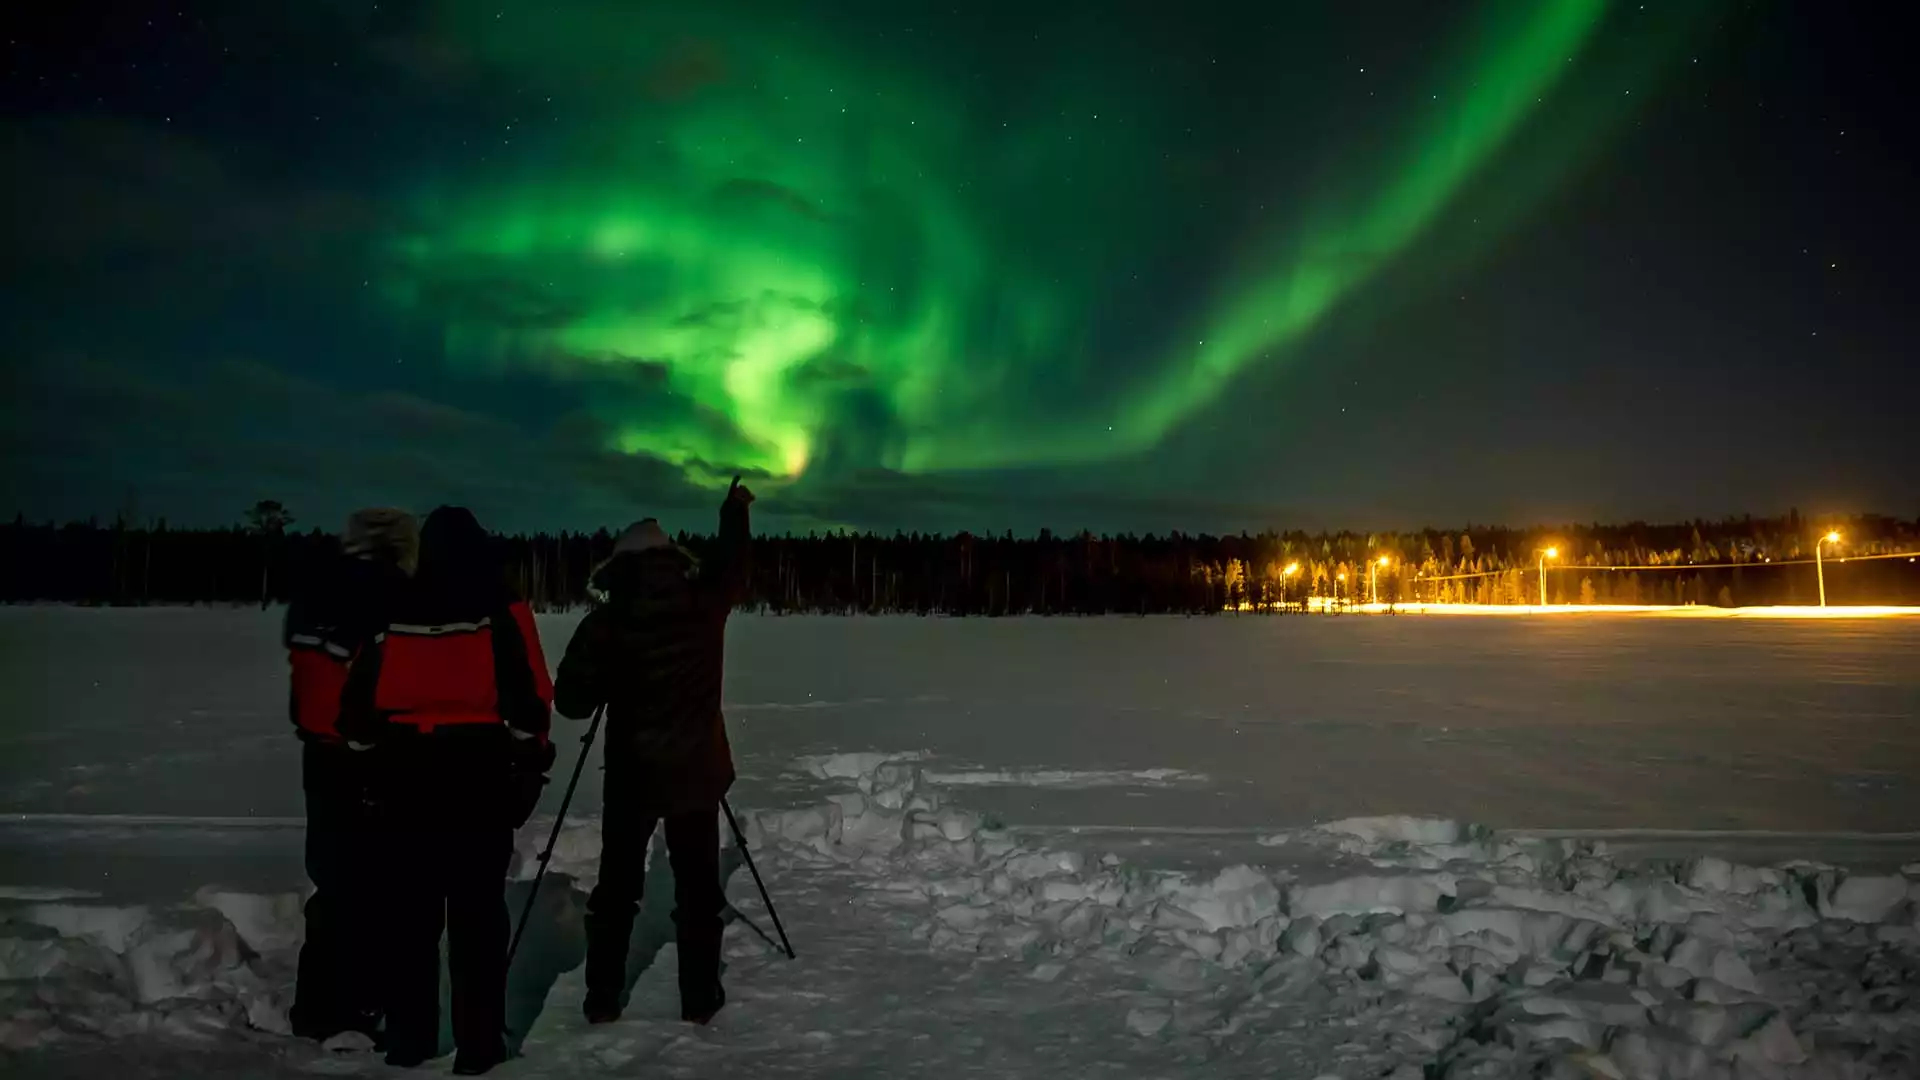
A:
{"points": [[1121, 266]]}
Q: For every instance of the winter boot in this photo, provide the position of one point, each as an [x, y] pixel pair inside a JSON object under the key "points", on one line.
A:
{"points": [[608, 938], [478, 1060], [601, 1008], [703, 1011]]}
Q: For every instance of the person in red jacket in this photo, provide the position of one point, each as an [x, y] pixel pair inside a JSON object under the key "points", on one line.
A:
{"points": [[653, 652], [454, 696], [337, 613]]}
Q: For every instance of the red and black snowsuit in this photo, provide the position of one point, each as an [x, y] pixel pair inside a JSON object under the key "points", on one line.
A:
{"points": [[455, 697], [654, 654], [338, 612]]}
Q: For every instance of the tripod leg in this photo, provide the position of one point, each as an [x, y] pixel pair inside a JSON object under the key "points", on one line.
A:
{"points": [[553, 838], [746, 855]]}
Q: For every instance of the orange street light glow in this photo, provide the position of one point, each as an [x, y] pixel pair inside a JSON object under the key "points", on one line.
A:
{"points": [[1553, 553], [1820, 571]]}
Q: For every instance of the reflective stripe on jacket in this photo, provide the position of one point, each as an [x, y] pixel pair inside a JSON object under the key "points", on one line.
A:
{"points": [[428, 675]]}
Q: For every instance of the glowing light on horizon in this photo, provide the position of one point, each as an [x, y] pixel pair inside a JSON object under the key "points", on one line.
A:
{"points": [[1694, 611]]}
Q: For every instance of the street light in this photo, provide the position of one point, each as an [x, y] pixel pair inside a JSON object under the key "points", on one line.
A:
{"points": [[1820, 571], [1373, 579], [1545, 554], [1337, 580], [1286, 592]]}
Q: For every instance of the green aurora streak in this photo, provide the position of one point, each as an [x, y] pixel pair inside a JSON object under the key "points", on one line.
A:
{"points": [[815, 262]]}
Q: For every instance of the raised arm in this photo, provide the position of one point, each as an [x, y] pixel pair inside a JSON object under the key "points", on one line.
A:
{"points": [[731, 571]]}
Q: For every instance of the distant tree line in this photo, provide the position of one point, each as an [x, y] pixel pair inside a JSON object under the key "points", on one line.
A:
{"points": [[1733, 562]]}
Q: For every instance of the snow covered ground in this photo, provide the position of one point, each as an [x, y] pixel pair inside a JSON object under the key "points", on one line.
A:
{"points": [[1069, 847]]}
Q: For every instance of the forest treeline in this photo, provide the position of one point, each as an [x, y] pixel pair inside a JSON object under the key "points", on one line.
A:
{"points": [[267, 560]]}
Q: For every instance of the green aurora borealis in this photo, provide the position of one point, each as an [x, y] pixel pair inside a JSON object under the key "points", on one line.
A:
{"points": [[1118, 265], [785, 250]]}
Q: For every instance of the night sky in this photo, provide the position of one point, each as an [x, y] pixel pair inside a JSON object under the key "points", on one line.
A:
{"points": [[1121, 266]]}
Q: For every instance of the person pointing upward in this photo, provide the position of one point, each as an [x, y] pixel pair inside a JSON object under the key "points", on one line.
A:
{"points": [[653, 651]]}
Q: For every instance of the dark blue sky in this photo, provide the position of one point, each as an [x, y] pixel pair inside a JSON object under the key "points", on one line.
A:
{"points": [[1691, 303]]}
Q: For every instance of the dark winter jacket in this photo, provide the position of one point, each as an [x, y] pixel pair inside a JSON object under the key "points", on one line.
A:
{"points": [[654, 653], [340, 612], [458, 650]]}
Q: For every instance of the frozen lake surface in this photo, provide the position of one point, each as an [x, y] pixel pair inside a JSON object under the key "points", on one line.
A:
{"points": [[1034, 848], [1602, 722]]}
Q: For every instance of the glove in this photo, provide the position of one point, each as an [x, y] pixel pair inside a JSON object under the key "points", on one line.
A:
{"points": [[527, 778]]}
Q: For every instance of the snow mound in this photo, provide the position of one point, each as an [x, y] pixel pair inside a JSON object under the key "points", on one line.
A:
{"points": [[1516, 956], [1462, 953], [221, 962]]}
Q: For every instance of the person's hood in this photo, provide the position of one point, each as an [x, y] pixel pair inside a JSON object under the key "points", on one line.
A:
{"points": [[643, 535], [457, 559], [382, 534], [644, 577]]}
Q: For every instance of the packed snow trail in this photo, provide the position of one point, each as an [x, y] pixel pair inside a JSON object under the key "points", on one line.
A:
{"points": [[934, 943]]}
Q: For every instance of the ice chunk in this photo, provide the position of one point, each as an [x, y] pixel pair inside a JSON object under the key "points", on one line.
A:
{"points": [[1040, 864], [1775, 1043], [268, 924], [1303, 937], [1657, 1055], [1443, 985], [1707, 959], [32, 958], [1237, 896], [1565, 1030], [152, 966], [816, 826], [266, 1014], [1147, 1023], [1599, 1003], [1511, 934], [1713, 1025], [1866, 899], [111, 928], [1364, 895]]}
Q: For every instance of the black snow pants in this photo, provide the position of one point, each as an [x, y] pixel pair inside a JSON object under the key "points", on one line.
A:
{"points": [[449, 842], [339, 985], [693, 850]]}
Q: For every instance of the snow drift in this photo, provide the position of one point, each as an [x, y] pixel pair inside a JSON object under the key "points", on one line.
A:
{"points": [[1462, 952], [1482, 955], [222, 961]]}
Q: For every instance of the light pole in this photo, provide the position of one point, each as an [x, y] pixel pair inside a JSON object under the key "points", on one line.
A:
{"points": [[1286, 586], [1373, 579], [1338, 579], [1545, 554], [1819, 570]]}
